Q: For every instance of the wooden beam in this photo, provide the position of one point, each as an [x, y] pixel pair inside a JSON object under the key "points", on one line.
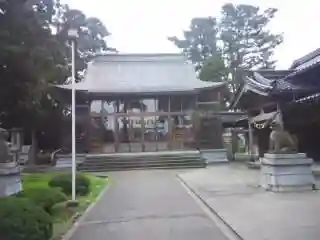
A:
{"points": [[148, 114], [263, 117], [268, 104]]}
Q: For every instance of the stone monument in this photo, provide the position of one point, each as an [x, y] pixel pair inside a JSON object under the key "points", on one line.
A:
{"points": [[10, 180], [283, 168]]}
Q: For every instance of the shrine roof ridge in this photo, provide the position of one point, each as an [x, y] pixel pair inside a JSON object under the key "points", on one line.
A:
{"points": [[140, 57]]}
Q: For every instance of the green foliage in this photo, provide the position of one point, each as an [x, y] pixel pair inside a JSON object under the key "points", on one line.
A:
{"points": [[199, 41], [44, 197], [30, 60], [223, 48], [20, 219], [247, 42], [213, 69], [35, 54], [64, 181], [92, 33]]}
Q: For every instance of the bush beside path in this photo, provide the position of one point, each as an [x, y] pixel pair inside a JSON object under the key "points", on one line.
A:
{"points": [[44, 200]]}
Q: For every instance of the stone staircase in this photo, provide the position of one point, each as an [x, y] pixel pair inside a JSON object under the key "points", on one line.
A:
{"points": [[146, 160]]}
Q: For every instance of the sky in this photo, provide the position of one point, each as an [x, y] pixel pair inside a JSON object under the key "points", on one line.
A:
{"points": [[142, 26]]}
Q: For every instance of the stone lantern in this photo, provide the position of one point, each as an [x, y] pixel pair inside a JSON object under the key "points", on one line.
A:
{"points": [[10, 180]]}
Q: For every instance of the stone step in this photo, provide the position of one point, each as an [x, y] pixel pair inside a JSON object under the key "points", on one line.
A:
{"points": [[133, 167], [140, 163], [138, 168], [140, 159]]}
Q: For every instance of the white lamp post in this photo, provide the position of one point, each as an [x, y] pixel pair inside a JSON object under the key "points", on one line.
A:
{"points": [[73, 35]]}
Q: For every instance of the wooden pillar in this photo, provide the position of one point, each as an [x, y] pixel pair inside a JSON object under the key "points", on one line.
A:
{"points": [[220, 102], [116, 128], [181, 140], [170, 124], [143, 146], [155, 124], [88, 128], [128, 125], [250, 135], [234, 142], [195, 123]]}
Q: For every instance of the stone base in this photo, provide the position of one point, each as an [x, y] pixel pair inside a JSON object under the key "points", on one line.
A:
{"points": [[214, 155], [10, 179], [254, 165], [287, 172], [73, 203]]}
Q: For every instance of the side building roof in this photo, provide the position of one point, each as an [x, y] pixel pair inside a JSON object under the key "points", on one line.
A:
{"points": [[306, 64], [262, 83]]}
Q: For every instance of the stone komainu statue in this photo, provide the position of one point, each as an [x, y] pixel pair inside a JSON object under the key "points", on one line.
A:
{"points": [[281, 141]]}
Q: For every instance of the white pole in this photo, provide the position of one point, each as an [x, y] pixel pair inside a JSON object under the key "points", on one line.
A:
{"points": [[73, 109]]}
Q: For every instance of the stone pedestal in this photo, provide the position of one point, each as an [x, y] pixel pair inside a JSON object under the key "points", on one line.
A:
{"points": [[287, 172], [214, 155], [10, 179]]}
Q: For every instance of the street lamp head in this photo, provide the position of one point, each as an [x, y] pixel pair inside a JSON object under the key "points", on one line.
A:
{"points": [[73, 33]]}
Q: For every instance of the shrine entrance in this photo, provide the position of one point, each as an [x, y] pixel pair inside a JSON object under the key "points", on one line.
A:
{"points": [[140, 103], [153, 126]]}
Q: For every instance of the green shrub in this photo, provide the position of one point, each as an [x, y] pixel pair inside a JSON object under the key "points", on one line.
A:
{"points": [[20, 219], [64, 181], [44, 197]]}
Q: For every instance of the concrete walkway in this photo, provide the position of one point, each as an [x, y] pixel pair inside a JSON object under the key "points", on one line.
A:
{"points": [[147, 205], [232, 192]]}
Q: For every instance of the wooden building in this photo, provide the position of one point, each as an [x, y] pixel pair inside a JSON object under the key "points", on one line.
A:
{"points": [[143, 103], [290, 97]]}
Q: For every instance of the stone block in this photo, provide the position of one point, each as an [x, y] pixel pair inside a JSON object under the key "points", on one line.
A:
{"points": [[287, 172], [214, 155], [10, 179]]}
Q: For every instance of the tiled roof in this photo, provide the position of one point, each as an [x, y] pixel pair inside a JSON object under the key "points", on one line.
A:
{"points": [[141, 73], [303, 61], [304, 64], [275, 80], [274, 74], [307, 98]]}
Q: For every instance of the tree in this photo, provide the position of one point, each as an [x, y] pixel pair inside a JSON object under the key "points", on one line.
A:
{"points": [[92, 34], [29, 60], [200, 41], [33, 57], [239, 40], [214, 69], [246, 43]]}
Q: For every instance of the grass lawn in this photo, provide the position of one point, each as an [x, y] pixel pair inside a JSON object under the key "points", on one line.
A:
{"points": [[63, 215]]}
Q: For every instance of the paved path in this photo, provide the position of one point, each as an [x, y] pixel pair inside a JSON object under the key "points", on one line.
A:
{"points": [[147, 205], [255, 214]]}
